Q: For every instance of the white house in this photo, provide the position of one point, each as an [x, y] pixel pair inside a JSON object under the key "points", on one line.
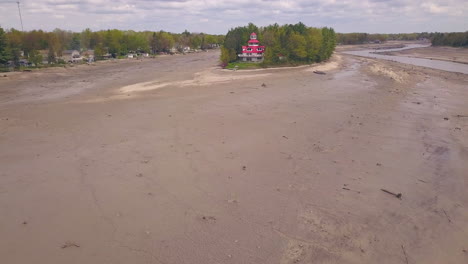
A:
{"points": [[71, 56]]}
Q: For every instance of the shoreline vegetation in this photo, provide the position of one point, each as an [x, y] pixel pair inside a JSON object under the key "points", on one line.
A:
{"points": [[287, 45], [452, 39], [21, 50]]}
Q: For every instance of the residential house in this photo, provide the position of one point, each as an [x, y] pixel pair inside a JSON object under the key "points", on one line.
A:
{"points": [[88, 55], [71, 56], [253, 51]]}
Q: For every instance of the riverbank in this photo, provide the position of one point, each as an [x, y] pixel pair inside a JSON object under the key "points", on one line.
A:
{"points": [[174, 160], [459, 55], [393, 44], [421, 62]]}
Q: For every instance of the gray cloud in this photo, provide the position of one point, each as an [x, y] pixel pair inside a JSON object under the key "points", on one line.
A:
{"points": [[217, 16]]}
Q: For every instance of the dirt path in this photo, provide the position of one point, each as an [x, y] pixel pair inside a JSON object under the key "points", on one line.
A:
{"points": [[174, 161]]}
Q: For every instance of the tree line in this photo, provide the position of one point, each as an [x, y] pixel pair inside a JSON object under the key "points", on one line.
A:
{"points": [[361, 38], [287, 44], [115, 42], [454, 39]]}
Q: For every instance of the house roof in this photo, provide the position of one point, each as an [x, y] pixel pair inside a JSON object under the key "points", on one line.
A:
{"points": [[88, 52], [69, 51], [253, 33]]}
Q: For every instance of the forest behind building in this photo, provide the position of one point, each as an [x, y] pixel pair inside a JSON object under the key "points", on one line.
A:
{"points": [[287, 44]]}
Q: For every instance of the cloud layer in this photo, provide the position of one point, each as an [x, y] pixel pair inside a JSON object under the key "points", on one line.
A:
{"points": [[217, 16]]}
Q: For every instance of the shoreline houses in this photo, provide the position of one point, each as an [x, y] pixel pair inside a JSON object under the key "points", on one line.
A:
{"points": [[88, 56], [69, 56], [253, 51]]}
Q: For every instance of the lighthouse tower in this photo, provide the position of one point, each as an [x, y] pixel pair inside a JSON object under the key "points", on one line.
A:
{"points": [[253, 51]]}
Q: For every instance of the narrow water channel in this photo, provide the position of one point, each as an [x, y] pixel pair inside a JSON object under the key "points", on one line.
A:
{"points": [[434, 64]]}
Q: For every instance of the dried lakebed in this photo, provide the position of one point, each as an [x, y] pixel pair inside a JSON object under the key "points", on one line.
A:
{"points": [[173, 161]]}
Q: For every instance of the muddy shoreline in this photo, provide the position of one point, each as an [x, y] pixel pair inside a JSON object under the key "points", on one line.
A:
{"points": [[458, 55]]}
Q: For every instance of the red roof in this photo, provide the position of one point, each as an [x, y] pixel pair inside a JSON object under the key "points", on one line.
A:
{"points": [[253, 49], [254, 41], [253, 33]]}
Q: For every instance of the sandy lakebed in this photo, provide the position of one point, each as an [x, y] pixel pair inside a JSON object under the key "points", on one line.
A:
{"points": [[173, 160]]}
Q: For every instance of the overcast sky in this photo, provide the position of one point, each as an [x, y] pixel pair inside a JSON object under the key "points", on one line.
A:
{"points": [[218, 16]]}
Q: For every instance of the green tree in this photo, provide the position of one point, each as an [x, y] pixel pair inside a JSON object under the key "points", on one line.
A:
{"points": [[95, 39], [328, 44], [113, 39], [134, 41], [237, 37], [166, 41], [4, 53], [225, 57], [85, 39], [75, 42], [34, 40], [15, 57], [210, 40], [297, 46], [51, 58], [99, 52], [15, 39], [35, 57], [195, 42], [154, 43], [60, 40], [314, 40]]}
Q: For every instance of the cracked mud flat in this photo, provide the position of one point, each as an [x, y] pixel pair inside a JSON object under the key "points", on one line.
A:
{"points": [[213, 167]]}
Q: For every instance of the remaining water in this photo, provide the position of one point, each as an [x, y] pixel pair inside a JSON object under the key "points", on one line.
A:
{"points": [[434, 64]]}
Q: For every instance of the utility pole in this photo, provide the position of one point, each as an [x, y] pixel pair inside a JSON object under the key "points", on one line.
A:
{"points": [[21, 19], [19, 10]]}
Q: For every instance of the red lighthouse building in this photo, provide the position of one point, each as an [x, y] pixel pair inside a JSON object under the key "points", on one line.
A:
{"points": [[253, 51]]}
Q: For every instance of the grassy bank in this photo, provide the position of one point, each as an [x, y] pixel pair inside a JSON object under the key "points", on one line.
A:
{"points": [[243, 65], [250, 65]]}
